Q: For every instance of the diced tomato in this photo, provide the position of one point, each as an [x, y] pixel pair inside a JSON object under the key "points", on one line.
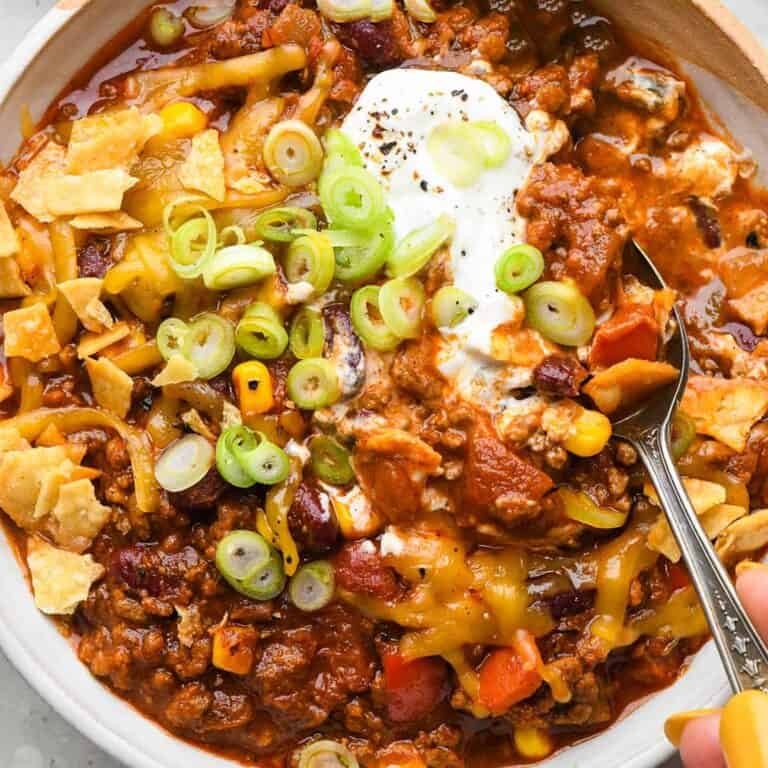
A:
{"points": [[510, 675], [631, 332], [493, 470], [413, 688], [678, 576]]}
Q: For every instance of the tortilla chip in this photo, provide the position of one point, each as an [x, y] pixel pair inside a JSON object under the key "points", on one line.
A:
{"points": [[29, 192], [725, 409], [83, 296], [12, 286], [106, 223], [745, 536], [178, 371], [93, 343], [22, 473], [94, 192], [49, 488], [110, 140], [111, 387], [752, 308], [628, 383], [11, 440], [203, 170], [9, 241], [61, 580], [29, 333], [78, 515], [196, 423], [231, 416]]}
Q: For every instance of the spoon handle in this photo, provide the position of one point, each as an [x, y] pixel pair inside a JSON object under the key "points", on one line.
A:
{"points": [[743, 652]]}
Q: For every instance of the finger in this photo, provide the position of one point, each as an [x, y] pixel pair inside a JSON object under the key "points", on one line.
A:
{"points": [[700, 744], [752, 586]]}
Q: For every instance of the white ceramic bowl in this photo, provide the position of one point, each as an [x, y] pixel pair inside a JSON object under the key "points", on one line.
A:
{"points": [[34, 75]]}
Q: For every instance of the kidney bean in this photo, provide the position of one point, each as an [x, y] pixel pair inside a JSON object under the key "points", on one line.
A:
{"points": [[360, 568], [559, 375], [344, 348], [145, 567], [375, 43], [312, 520], [203, 495], [95, 257]]}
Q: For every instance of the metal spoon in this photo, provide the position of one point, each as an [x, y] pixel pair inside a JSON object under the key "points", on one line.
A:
{"points": [[743, 652]]}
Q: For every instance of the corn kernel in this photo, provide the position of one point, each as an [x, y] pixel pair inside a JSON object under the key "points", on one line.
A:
{"points": [[589, 435], [533, 743], [233, 649], [253, 385], [182, 120]]}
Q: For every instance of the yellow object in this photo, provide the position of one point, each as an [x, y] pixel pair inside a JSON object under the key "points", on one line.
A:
{"points": [[743, 732], [182, 120], [675, 725], [591, 431], [533, 743], [750, 565], [233, 649], [253, 385]]}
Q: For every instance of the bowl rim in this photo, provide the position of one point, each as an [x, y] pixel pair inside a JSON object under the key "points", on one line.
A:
{"points": [[66, 704]]}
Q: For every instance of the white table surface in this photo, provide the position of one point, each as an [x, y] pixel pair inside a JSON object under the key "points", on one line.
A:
{"points": [[32, 735]]}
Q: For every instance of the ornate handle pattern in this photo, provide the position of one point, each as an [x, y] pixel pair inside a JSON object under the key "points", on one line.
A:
{"points": [[743, 652]]}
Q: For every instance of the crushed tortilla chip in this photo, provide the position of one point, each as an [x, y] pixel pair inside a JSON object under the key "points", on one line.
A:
{"points": [[94, 192], [49, 488], [78, 515], [110, 140], [83, 295], [752, 308], [178, 371], [389, 441], [628, 383], [203, 170], [12, 286], [747, 535], [29, 333], [61, 580], [21, 477], [231, 416], [111, 386], [725, 409], [11, 440], [106, 223], [93, 343], [196, 423], [29, 192], [9, 240], [708, 500]]}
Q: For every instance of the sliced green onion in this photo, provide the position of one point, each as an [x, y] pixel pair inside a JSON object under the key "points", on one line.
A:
{"points": [[240, 554], [415, 250], [496, 142], [311, 588], [165, 27], [293, 153], [560, 312], [192, 246], [339, 148], [210, 345], [683, 434], [236, 266], [362, 260], [232, 235], [260, 332], [451, 306], [170, 337], [519, 268], [421, 10], [401, 302], [229, 467], [351, 198], [310, 259], [331, 461], [457, 152], [265, 462], [313, 383], [307, 337], [184, 463], [382, 9], [250, 565], [327, 754], [278, 224], [365, 312]]}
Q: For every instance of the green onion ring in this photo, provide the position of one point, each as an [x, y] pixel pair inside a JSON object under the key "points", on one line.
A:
{"points": [[361, 261], [210, 344], [339, 148], [313, 383], [170, 337], [240, 555], [560, 312], [279, 224], [307, 337], [266, 463], [415, 250], [228, 466], [401, 302], [311, 587], [236, 266], [310, 259], [331, 461], [234, 233], [351, 198], [327, 754], [262, 336], [519, 268], [451, 306], [365, 312]]}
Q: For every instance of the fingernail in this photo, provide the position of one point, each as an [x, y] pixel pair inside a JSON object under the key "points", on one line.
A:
{"points": [[675, 725], [743, 731], [750, 565]]}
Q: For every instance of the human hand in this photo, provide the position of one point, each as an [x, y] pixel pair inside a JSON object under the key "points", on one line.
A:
{"points": [[737, 735]]}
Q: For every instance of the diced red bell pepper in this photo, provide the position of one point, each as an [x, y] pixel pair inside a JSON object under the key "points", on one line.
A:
{"points": [[413, 688], [631, 332], [510, 675]]}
